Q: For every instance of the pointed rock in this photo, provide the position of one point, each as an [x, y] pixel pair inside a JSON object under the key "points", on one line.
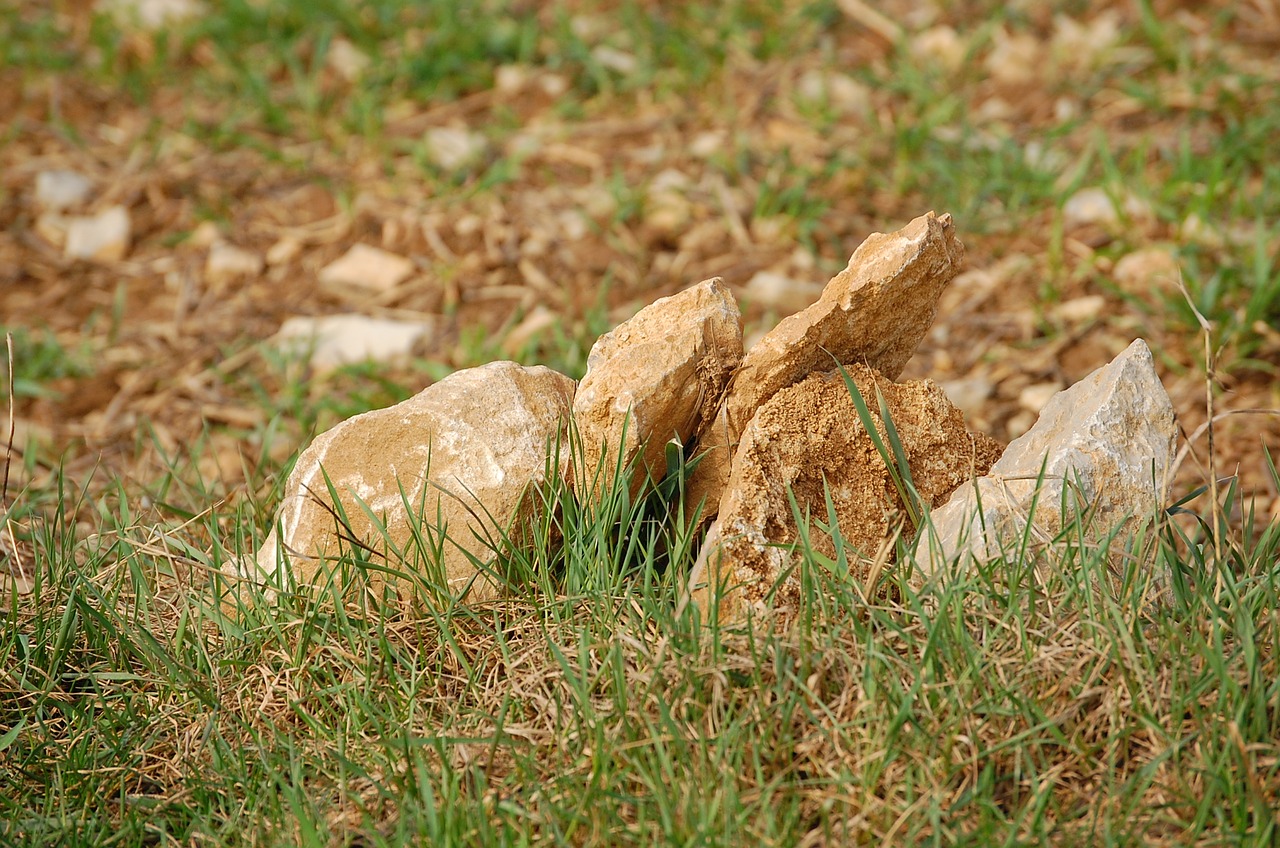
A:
{"points": [[875, 313], [807, 442], [461, 453], [657, 376], [1106, 446]]}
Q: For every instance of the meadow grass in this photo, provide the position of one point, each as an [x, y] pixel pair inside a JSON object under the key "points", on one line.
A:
{"points": [[1036, 700]]}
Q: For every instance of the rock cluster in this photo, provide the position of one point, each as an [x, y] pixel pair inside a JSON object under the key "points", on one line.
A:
{"points": [[776, 432]]}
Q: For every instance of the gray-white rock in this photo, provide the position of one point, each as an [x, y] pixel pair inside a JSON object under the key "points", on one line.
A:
{"points": [[336, 340], [367, 267], [59, 190], [462, 454], [1107, 442], [657, 376], [101, 238]]}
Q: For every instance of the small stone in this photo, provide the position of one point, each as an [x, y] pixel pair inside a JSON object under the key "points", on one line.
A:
{"points": [[707, 144], [1078, 310], [1106, 447], [227, 262], [941, 45], [346, 60], [284, 251], [618, 61], [1094, 206], [1034, 397], [60, 190], [1143, 271], [205, 234], [1016, 59], [512, 78], [657, 376], [807, 443], [454, 148], [462, 455], [834, 90], [969, 394], [875, 312], [101, 238], [779, 292], [151, 14], [336, 340], [367, 267]]}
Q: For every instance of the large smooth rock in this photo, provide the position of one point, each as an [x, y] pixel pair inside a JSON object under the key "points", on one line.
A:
{"points": [[657, 376], [808, 442], [462, 453], [874, 312], [1106, 446]]}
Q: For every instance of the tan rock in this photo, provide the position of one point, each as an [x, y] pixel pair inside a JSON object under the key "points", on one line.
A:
{"points": [[332, 341], [1107, 443], [367, 267], [462, 453], [875, 312], [227, 262], [808, 442], [101, 238], [658, 376]]}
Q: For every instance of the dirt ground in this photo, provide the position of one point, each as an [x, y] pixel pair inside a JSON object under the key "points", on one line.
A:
{"points": [[167, 356]]}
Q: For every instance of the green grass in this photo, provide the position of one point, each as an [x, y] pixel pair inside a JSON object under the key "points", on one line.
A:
{"points": [[589, 706], [1013, 705]]}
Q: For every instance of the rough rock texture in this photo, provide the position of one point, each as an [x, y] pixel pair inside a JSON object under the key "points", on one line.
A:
{"points": [[875, 313], [658, 376], [468, 446], [1109, 441], [809, 440]]}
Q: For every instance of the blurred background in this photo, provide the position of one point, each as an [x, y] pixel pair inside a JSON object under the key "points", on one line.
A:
{"points": [[225, 226]]}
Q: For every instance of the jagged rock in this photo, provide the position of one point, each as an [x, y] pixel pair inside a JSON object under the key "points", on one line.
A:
{"points": [[59, 190], [336, 340], [461, 453], [658, 376], [1108, 441], [875, 312], [367, 267], [227, 262], [808, 442], [102, 238]]}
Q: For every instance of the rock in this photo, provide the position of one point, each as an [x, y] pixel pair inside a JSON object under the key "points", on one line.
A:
{"points": [[367, 267], [658, 376], [807, 440], [462, 453], [227, 262], [772, 290], [1109, 441], [454, 148], [1143, 272], [875, 312], [1079, 310], [59, 190], [336, 340], [969, 394], [1094, 206], [346, 60], [150, 14], [101, 238], [1034, 397]]}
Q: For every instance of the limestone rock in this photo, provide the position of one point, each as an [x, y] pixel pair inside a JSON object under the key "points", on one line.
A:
{"points": [[59, 190], [660, 375], [228, 262], [366, 267], [875, 312], [336, 340], [1109, 443], [102, 238], [461, 453], [807, 440]]}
